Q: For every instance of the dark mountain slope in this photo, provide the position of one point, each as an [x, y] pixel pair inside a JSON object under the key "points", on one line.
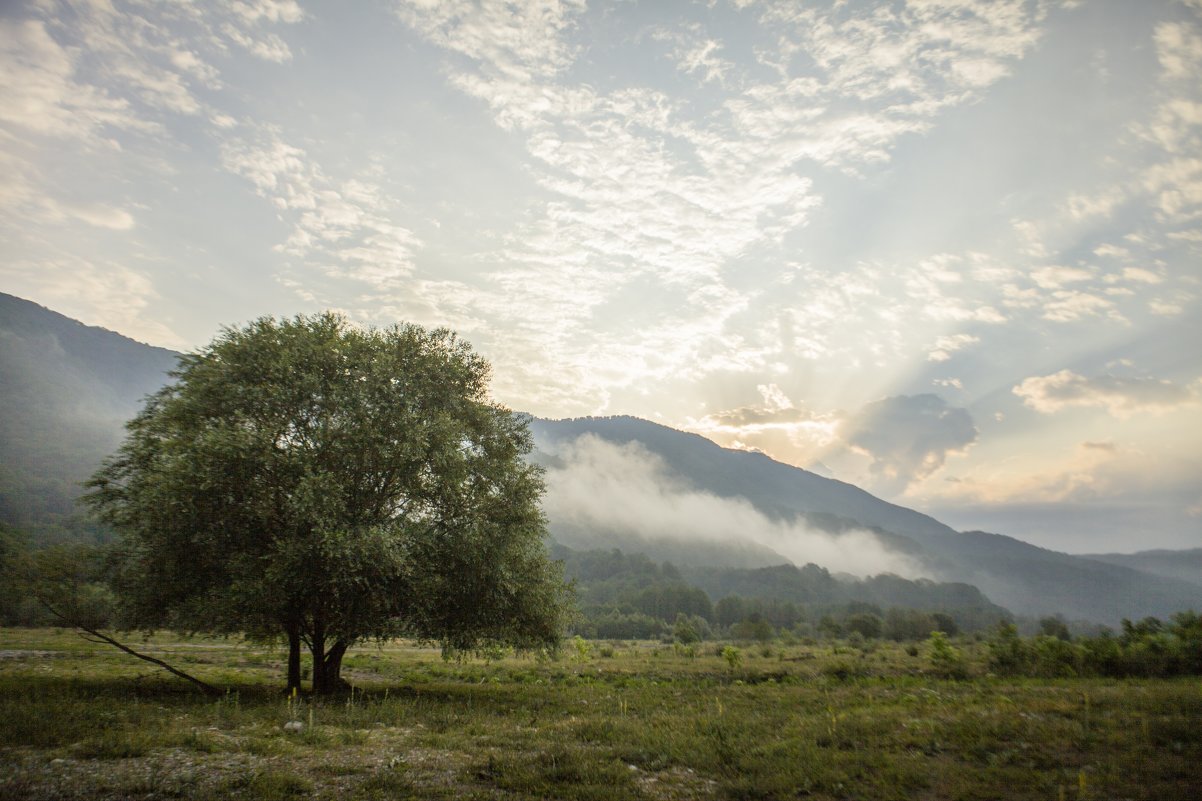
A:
{"points": [[66, 389]]}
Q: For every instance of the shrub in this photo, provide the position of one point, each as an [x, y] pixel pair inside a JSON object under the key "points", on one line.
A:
{"points": [[945, 660], [1056, 658], [1008, 654]]}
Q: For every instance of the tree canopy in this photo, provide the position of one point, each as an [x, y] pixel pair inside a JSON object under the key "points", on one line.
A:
{"points": [[308, 478]]}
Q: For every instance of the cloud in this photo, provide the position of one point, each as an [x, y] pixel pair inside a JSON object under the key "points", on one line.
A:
{"points": [[96, 292], [663, 193], [945, 346], [1096, 204], [776, 425], [909, 437], [21, 199], [624, 488], [1056, 276], [1066, 306], [344, 230], [40, 92], [700, 56], [102, 216], [1121, 397]]}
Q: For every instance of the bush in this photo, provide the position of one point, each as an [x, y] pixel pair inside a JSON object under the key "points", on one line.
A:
{"points": [[1056, 658], [946, 661], [1008, 654], [684, 631]]}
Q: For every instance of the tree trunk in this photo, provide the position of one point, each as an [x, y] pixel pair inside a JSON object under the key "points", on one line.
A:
{"points": [[333, 667], [294, 658], [317, 648], [327, 666]]}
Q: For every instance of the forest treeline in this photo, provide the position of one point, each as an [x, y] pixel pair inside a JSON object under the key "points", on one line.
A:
{"points": [[629, 596], [1146, 648]]}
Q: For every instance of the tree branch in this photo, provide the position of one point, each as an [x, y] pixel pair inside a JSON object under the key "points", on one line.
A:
{"points": [[99, 637]]}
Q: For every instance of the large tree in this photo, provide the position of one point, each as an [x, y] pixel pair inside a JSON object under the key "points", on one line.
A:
{"points": [[310, 479]]}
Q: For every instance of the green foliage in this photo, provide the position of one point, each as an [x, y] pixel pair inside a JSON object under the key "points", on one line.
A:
{"points": [[684, 631], [60, 584], [581, 649], [945, 659], [616, 625], [14, 556], [867, 625], [1008, 653], [308, 478], [1148, 648], [1055, 658], [1054, 627], [733, 656], [751, 628]]}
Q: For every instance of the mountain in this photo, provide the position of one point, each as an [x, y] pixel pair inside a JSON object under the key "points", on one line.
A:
{"points": [[1184, 565], [1022, 577], [66, 389]]}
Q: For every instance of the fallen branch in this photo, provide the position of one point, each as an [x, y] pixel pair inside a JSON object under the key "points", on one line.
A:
{"points": [[100, 637]]}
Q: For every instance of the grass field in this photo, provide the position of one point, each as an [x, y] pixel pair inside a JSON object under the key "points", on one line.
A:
{"points": [[606, 721]]}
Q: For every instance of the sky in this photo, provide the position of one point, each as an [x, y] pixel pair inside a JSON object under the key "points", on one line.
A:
{"points": [[947, 250]]}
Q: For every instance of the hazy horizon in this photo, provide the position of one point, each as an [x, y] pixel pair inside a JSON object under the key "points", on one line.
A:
{"points": [[945, 250]]}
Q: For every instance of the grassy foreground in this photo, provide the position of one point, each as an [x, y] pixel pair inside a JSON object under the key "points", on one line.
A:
{"points": [[605, 722]]}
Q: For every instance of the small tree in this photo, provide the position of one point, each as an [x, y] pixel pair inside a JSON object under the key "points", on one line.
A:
{"points": [[309, 479], [945, 659], [684, 631], [1008, 654]]}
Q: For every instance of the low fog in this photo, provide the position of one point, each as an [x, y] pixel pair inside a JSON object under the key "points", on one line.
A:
{"points": [[601, 486]]}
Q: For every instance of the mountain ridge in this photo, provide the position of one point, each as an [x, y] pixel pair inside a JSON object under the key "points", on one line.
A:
{"points": [[69, 388]]}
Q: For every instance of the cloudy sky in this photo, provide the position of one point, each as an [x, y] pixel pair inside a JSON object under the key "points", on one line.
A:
{"points": [[948, 250]]}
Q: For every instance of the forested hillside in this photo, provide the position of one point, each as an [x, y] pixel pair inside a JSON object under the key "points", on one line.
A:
{"points": [[66, 390]]}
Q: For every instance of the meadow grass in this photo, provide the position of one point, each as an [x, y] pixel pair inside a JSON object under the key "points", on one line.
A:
{"points": [[621, 721]]}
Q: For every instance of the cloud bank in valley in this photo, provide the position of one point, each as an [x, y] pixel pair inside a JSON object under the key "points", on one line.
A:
{"points": [[627, 489]]}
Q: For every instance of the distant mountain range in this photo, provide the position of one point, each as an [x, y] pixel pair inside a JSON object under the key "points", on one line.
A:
{"points": [[617, 482]]}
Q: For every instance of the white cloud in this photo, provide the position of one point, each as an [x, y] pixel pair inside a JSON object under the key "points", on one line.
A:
{"points": [[1141, 275], [624, 488], [697, 54], [1057, 276], [1121, 397], [102, 216], [1179, 49], [945, 346], [667, 192], [342, 229], [1066, 306], [1097, 204], [98, 293], [254, 11], [41, 94]]}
